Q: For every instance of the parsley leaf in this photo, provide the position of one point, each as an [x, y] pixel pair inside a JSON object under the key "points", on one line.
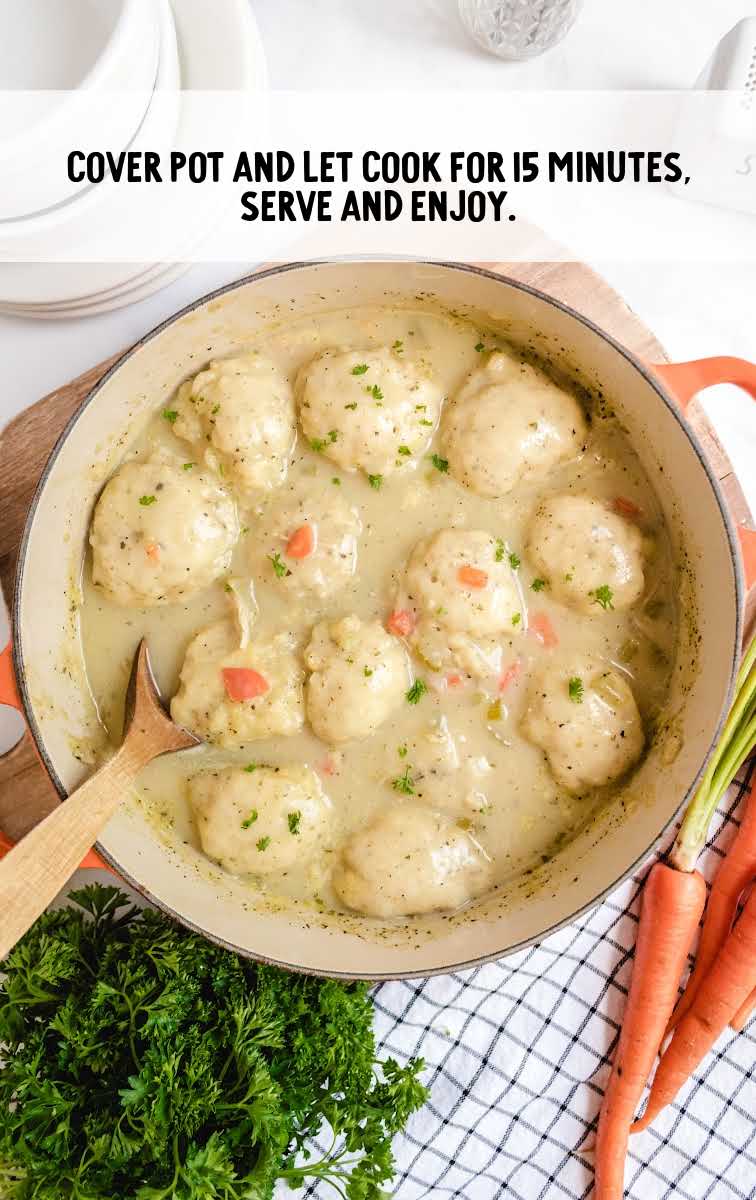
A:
{"points": [[279, 566], [514, 561], [250, 820], [293, 820], [575, 690], [404, 450], [603, 595], [538, 585], [360, 369], [417, 691], [441, 464], [263, 843], [375, 392], [146, 501], [375, 481], [404, 784], [398, 346], [318, 445], [480, 348], [170, 415]]}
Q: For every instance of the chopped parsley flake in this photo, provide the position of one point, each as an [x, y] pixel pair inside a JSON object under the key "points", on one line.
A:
{"points": [[500, 550], [317, 444], [278, 565], [404, 784], [336, 481], [604, 596], [401, 751], [375, 392], [333, 435], [146, 501], [417, 691], [405, 451], [517, 617], [360, 369], [293, 819], [170, 415], [251, 767], [538, 585], [398, 346], [480, 348], [424, 422], [375, 481], [575, 689], [441, 464], [352, 406], [188, 466], [250, 820], [263, 843], [367, 672], [215, 410], [514, 561]]}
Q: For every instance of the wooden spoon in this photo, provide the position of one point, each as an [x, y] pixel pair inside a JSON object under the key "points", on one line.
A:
{"points": [[35, 870]]}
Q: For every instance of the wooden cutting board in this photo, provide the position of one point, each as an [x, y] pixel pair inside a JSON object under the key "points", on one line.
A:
{"points": [[26, 794]]}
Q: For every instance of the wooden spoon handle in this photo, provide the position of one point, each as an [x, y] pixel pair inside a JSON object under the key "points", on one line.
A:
{"points": [[35, 870]]}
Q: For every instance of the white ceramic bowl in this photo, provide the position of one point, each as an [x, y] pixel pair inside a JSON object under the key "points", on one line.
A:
{"points": [[217, 50], [105, 55]]}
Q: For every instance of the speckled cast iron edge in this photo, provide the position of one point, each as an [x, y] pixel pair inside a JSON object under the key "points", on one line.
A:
{"points": [[671, 406]]}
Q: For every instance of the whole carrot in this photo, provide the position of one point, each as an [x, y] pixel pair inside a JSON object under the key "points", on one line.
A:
{"points": [[734, 874], [671, 909], [744, 1013], [729, 982]]}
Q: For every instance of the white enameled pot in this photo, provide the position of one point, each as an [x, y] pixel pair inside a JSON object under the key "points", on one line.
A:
{"points": [[45, 678]]}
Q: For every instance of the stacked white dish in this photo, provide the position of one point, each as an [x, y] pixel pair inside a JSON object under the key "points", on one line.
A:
{"points": [[145, 53]]}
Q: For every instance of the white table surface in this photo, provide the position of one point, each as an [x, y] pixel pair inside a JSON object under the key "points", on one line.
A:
{"points": [[694, 311]]}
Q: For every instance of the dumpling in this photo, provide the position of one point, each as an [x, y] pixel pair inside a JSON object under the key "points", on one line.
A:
{"points": [[160, 533], [461, 599], [508, 424], [360, 675], [238, 414], [370, 410], [584, 717], [591, 557], [235, 689], [308, 543], [260, 820], [410, 860], [462, 579]]}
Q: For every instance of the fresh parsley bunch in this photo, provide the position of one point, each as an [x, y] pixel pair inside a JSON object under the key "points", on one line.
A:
{"points": [[144, 1063]]}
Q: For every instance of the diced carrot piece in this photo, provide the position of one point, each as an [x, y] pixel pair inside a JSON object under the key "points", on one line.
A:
{"points": [[152, 550], [454, 680], [301, 543], [243, 683], [509, 674], [541, 628], [472, 577], [626, 508], [401, 622]]}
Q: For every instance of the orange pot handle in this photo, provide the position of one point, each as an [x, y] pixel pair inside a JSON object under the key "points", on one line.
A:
{"points": [[8, 690], [10, 697], [684, 381]]}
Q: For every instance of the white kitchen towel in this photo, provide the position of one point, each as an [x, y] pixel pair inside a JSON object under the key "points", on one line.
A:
{"points": [[517, 1055]]}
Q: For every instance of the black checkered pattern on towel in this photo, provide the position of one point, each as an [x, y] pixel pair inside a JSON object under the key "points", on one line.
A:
{"points": [[517, 1054]]}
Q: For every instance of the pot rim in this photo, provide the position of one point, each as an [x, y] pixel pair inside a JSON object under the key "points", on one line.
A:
{"points": [[667, 399]]}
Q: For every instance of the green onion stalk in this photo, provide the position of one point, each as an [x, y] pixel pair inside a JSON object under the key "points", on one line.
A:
{"points": [[736, 743]]}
